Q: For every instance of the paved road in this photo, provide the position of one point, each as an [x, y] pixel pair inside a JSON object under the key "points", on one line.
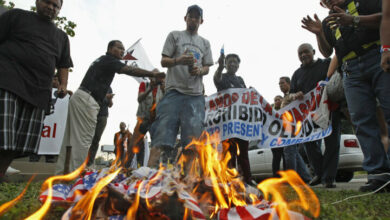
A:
{"points": [[354, 184]]}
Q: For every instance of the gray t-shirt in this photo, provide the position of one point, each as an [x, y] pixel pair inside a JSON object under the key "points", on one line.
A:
{"points": [[178, 77]]}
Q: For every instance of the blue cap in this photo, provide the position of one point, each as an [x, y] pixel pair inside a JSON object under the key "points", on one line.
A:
{"points": [[196, 8]]}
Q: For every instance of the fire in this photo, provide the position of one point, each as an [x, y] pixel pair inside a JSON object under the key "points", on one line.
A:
{"points": [[84, 207], [229, 190], [48, 184], [277, 190], [287, 120], [6, 206], [132, 211], [224, 180]]}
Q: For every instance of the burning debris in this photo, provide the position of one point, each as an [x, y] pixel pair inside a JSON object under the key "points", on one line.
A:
{"points": [[201, 186]]}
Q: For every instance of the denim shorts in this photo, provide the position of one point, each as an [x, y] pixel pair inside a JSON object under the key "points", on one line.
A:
{"points": [[178, 110]]}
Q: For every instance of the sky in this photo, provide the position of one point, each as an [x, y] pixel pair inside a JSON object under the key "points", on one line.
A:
{"points": [[265, 34]]}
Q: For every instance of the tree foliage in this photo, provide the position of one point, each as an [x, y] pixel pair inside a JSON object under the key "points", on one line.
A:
{"points": [[62, 22]]}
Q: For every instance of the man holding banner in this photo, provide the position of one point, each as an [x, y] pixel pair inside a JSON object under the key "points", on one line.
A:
{"points": [[303, 81], [226, 81], [188, 58], [85, 103]]}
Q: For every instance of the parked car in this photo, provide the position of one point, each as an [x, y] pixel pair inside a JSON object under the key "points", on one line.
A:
{"points": [[351, 159]]}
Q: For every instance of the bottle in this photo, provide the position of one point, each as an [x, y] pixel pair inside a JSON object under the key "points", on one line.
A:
{"points": [[190, 67]]}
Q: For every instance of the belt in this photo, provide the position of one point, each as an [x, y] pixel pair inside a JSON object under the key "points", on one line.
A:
{"points": [[82, 88], [85, 90]]}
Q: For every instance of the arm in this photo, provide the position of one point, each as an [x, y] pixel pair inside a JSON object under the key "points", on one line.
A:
{"points": [[63, 82], [134, 71], [315, 26], [218, 72], [332, 67], [340, 18], [385, 34]]}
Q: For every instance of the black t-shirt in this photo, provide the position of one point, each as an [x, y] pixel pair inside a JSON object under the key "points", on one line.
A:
{"points": [[100, 75], [229, 81], [306, 78], [31, 48], [353, 38]]}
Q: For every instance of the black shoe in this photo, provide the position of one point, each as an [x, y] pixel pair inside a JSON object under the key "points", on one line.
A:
{"points": [[373, 185], [315, 181], [330, 185]]}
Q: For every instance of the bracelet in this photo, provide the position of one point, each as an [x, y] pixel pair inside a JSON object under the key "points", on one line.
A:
{"points": [[174, 61], [385, 48]]}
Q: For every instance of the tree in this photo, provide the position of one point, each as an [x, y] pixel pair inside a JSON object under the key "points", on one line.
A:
{"points": [[61, 22]]}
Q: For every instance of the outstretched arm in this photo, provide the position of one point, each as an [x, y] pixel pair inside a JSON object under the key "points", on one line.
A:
{"points": [[315, 26]]}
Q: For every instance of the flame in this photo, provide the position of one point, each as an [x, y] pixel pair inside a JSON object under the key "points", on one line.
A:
{"points": [[276, 190], [85, 205], [153, 107], [299, 127], [150, 183], [230, 191], [6, 206], [132, 211], [287, 120], [214, 168], [48, 184], [135, 149]]}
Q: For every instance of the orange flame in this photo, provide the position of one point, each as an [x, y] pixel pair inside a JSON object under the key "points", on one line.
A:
{"points": [[6, 206], [151, 182], [135, 149], [224, 180], [275, 188], [48, 184], [85, 205], [132, 211], [299, 127]]}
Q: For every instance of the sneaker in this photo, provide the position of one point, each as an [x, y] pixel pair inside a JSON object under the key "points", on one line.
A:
{"points": [[11, 171], [374, 185], [329, 185], [315, 181]]}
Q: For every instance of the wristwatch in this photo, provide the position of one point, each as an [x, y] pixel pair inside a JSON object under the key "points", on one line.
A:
{"points": [[356, 21]]}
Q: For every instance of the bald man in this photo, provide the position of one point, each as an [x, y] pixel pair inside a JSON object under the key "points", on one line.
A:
{"points": [[305, 79]]}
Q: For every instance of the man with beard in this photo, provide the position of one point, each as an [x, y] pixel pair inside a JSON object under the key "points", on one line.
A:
{"points": [[352, 30], [188, 58], [31, 49], [85, 103]]}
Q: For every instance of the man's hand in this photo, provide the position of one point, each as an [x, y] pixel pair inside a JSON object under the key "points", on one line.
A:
{"points": [[185, 59], [385, 62], [221, 61], [340, 18], [160, 75], [109, 96], [299, 95], [196, 71], [61, 91], [314, 26]]}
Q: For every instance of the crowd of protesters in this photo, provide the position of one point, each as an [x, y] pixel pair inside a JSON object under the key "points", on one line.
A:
{"points": [[357, 30]]}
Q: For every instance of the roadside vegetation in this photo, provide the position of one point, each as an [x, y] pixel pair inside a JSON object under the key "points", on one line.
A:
{"points": [[369, 207]]}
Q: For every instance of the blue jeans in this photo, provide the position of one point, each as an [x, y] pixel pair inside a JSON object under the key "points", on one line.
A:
{"points": [[295, 162], [364, 81], [325, 165], [178, 110]]}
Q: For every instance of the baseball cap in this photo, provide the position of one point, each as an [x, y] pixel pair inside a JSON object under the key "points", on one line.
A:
{"points": [[196, 8]]}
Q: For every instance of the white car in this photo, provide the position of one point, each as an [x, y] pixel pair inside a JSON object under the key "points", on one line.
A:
{"points": [[351, 159]]}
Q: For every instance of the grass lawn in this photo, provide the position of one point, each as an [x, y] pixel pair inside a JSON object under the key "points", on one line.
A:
{"points": [[375, 206]]}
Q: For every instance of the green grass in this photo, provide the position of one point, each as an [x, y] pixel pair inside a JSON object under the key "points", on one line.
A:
{"points": [[373, 207]]}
